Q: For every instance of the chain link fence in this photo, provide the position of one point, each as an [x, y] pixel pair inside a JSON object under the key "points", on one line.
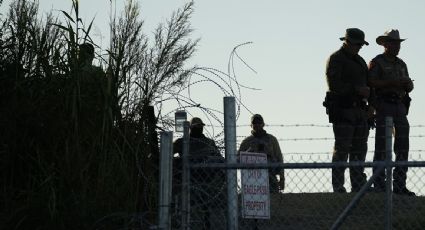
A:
{"points": [[307, 202]]}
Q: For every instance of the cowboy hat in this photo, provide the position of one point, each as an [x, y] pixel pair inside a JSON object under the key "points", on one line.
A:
{"points": [[355, 36], [389, 35]]}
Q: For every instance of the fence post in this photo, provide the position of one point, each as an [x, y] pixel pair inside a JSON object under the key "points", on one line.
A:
{"points": [[186, 178], [388, 167], [230, 152], [166, 168]]}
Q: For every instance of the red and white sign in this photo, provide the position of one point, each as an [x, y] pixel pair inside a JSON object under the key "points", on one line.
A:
{"points": [[255, 187]]}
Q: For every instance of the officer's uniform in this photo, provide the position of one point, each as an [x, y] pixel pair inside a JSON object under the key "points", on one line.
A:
{"points": [[389, 102], [345, 74], [268, 144]]}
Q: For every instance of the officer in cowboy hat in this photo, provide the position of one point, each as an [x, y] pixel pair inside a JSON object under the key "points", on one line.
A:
{"points": [[389, 76], [346, 103]]}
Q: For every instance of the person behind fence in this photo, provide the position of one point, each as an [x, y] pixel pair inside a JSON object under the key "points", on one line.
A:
{"points": [[92, 85], [389, 76], [262, 142], [85, 64], [207, 184], [346, 104]]}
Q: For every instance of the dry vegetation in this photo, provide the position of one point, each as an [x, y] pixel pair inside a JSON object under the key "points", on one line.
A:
{"points": [[78, 145]]}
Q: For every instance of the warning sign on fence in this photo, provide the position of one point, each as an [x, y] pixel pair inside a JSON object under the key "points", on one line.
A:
{"points": [[255, 187]]}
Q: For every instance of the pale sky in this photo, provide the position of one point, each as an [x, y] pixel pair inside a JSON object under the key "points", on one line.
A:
{"points": [[291, 43]]}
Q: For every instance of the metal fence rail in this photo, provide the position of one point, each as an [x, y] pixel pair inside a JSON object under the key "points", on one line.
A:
{"points": [[211, 198], [307, 202], [313, 205]]}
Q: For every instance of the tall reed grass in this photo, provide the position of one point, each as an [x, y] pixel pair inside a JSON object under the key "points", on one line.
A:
{"points": [[78, 144]]}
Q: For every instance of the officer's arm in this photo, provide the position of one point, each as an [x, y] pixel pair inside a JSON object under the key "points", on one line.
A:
{"points": [[334, 76], [409, 85], [216, 151], [244, 146], [277, 151], [278, 155]]}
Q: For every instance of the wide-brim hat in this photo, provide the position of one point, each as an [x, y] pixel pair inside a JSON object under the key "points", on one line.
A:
{"points": [[389, 35], [355, 36], [196, 121]]}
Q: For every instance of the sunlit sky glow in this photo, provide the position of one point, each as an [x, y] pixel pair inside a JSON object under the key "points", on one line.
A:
{"points": [[291, 42]]}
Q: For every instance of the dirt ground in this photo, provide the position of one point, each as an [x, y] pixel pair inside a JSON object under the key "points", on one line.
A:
{"points": [[321, 210]]}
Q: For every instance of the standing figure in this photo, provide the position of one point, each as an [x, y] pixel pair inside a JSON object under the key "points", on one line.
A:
{"points": [[347, 106], [91, 87], [261, 142], [207, 185], [85, 55], [389, 76]]}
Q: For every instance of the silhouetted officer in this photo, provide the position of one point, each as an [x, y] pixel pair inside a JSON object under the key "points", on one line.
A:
{"points": [[389, 75], [346, 102]]}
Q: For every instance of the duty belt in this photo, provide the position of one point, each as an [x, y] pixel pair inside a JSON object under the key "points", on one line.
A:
{"points": [[346, 104]]}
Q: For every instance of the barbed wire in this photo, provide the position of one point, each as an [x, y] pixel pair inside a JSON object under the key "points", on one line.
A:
{"points": [[227, 83], [308, 125], [331, 152], [331, 138]]}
